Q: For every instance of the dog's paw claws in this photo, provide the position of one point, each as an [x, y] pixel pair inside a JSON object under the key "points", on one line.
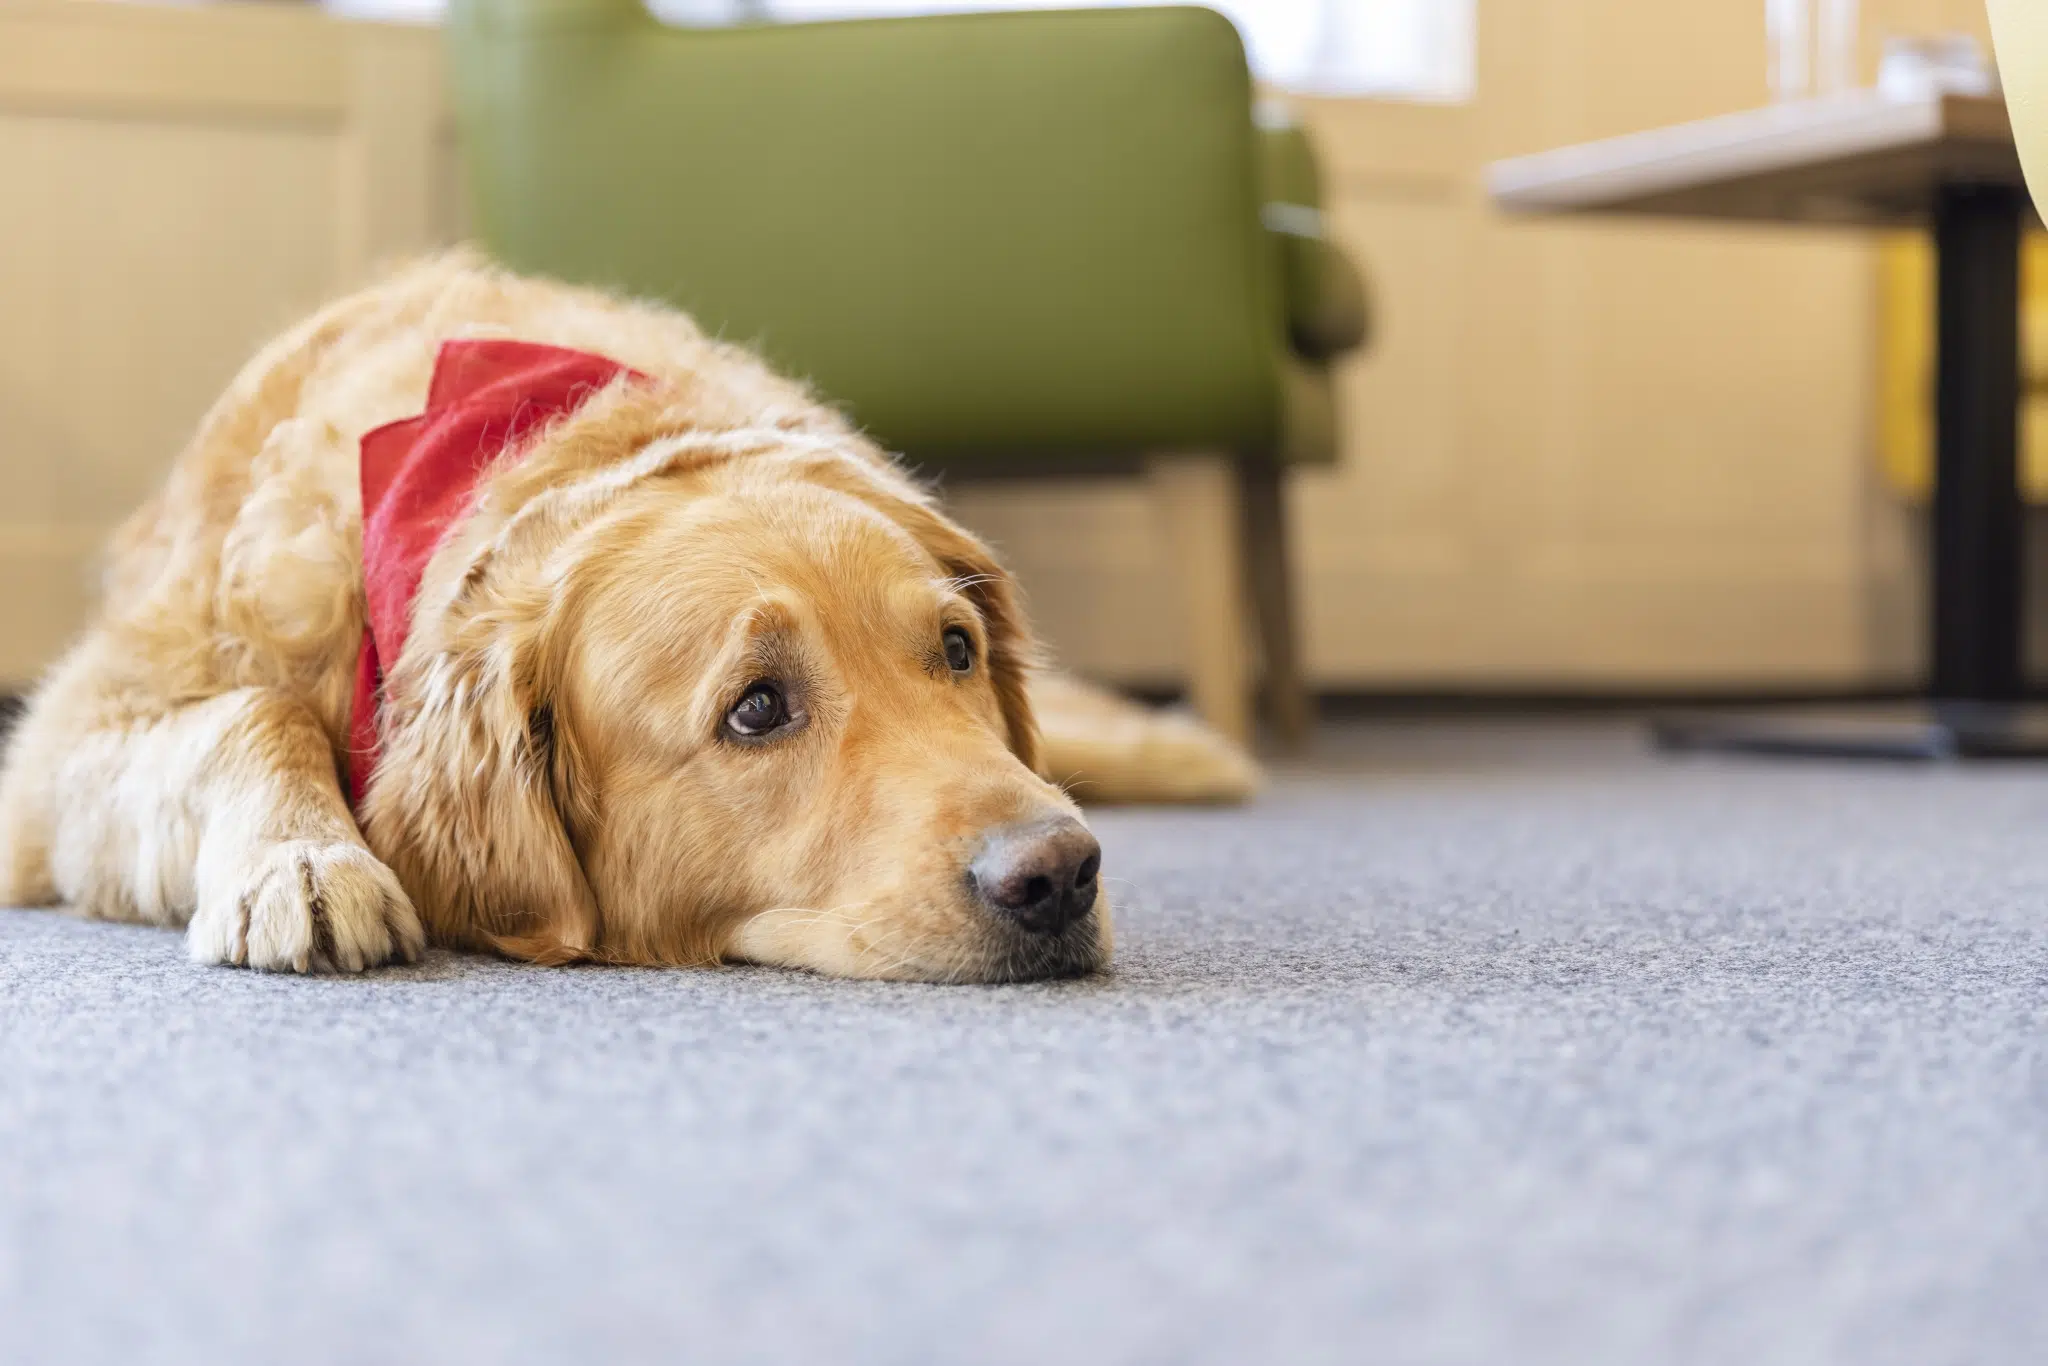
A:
{"points": [[306, 906]]}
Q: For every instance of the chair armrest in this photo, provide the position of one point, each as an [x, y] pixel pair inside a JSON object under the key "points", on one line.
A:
{"points": [[1327, 311]]}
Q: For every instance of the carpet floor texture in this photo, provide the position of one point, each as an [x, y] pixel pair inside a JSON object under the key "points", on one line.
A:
{"points": [[1465, 1044]]}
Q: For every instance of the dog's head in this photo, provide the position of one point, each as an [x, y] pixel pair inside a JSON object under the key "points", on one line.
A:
{"points": [[748, 696]]}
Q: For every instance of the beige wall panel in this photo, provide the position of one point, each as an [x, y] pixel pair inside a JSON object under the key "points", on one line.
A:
{"points": [[50, 590], [1717, 373], [181, 185], [395, 194], [1656, 433], [1528, 632], [133, 293], [1399, 495], [236, 61], [1389, 527]]}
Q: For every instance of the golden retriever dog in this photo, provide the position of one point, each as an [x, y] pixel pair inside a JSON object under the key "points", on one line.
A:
{"points": [[681, 669]]}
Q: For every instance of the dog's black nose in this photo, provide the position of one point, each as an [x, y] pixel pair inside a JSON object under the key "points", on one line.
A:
{"points": [[1040, 874]]}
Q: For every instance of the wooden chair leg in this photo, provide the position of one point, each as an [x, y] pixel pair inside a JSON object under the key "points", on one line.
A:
{"points": [[1270, 578], [1199, 498]]}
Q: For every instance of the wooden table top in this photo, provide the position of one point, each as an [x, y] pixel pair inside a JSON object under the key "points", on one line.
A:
{"points": [[1855, 159]]}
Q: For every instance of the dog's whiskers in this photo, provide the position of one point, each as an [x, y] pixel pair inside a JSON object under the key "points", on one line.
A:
{"points": [[806, 918]]}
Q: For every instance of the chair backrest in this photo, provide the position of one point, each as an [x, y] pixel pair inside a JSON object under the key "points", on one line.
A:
{"points": [[1027, 232]]}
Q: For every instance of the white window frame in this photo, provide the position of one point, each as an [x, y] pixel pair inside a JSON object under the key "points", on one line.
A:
{"points": [[1386, 49]]}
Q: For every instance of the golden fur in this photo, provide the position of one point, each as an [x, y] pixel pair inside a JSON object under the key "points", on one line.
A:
{"points": [[554, 782]]}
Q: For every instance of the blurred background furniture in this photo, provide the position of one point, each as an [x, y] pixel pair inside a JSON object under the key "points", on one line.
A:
{"points": [[1905, 397], [1572, 461], [1010, 244], [1945, 160]]}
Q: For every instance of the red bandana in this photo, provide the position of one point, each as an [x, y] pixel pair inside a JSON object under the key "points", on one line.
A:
{"points": [[419, 474]]}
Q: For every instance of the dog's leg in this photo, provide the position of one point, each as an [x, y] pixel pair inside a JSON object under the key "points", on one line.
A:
{"points": [[1106, 748], [283, 877], [223, 815]]}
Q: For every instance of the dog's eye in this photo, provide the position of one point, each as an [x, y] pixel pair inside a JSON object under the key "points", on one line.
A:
{"points": [[959, 650], [761, 708]]}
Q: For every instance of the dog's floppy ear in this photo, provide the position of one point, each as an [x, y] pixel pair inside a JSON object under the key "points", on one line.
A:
{"points": [[475, 796]]}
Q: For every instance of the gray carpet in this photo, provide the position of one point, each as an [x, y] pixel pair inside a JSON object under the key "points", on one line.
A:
{"points": [[1468, 1045]]}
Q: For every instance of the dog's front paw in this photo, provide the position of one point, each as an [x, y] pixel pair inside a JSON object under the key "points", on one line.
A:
{"points": [[304, 906]]}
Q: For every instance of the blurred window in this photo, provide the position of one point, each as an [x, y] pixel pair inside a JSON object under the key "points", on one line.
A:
{"points": [[1405, 49], [1392, 49]]}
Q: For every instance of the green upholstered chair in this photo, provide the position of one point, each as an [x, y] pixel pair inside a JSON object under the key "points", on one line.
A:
{"points": [[1011, 244]]}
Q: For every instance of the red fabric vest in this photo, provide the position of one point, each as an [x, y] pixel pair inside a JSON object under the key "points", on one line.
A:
{"points": [[419, 477]]}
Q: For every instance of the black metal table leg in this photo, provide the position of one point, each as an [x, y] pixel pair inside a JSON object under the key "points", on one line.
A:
{"points": [[1976, 602], [1977, 569]]}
